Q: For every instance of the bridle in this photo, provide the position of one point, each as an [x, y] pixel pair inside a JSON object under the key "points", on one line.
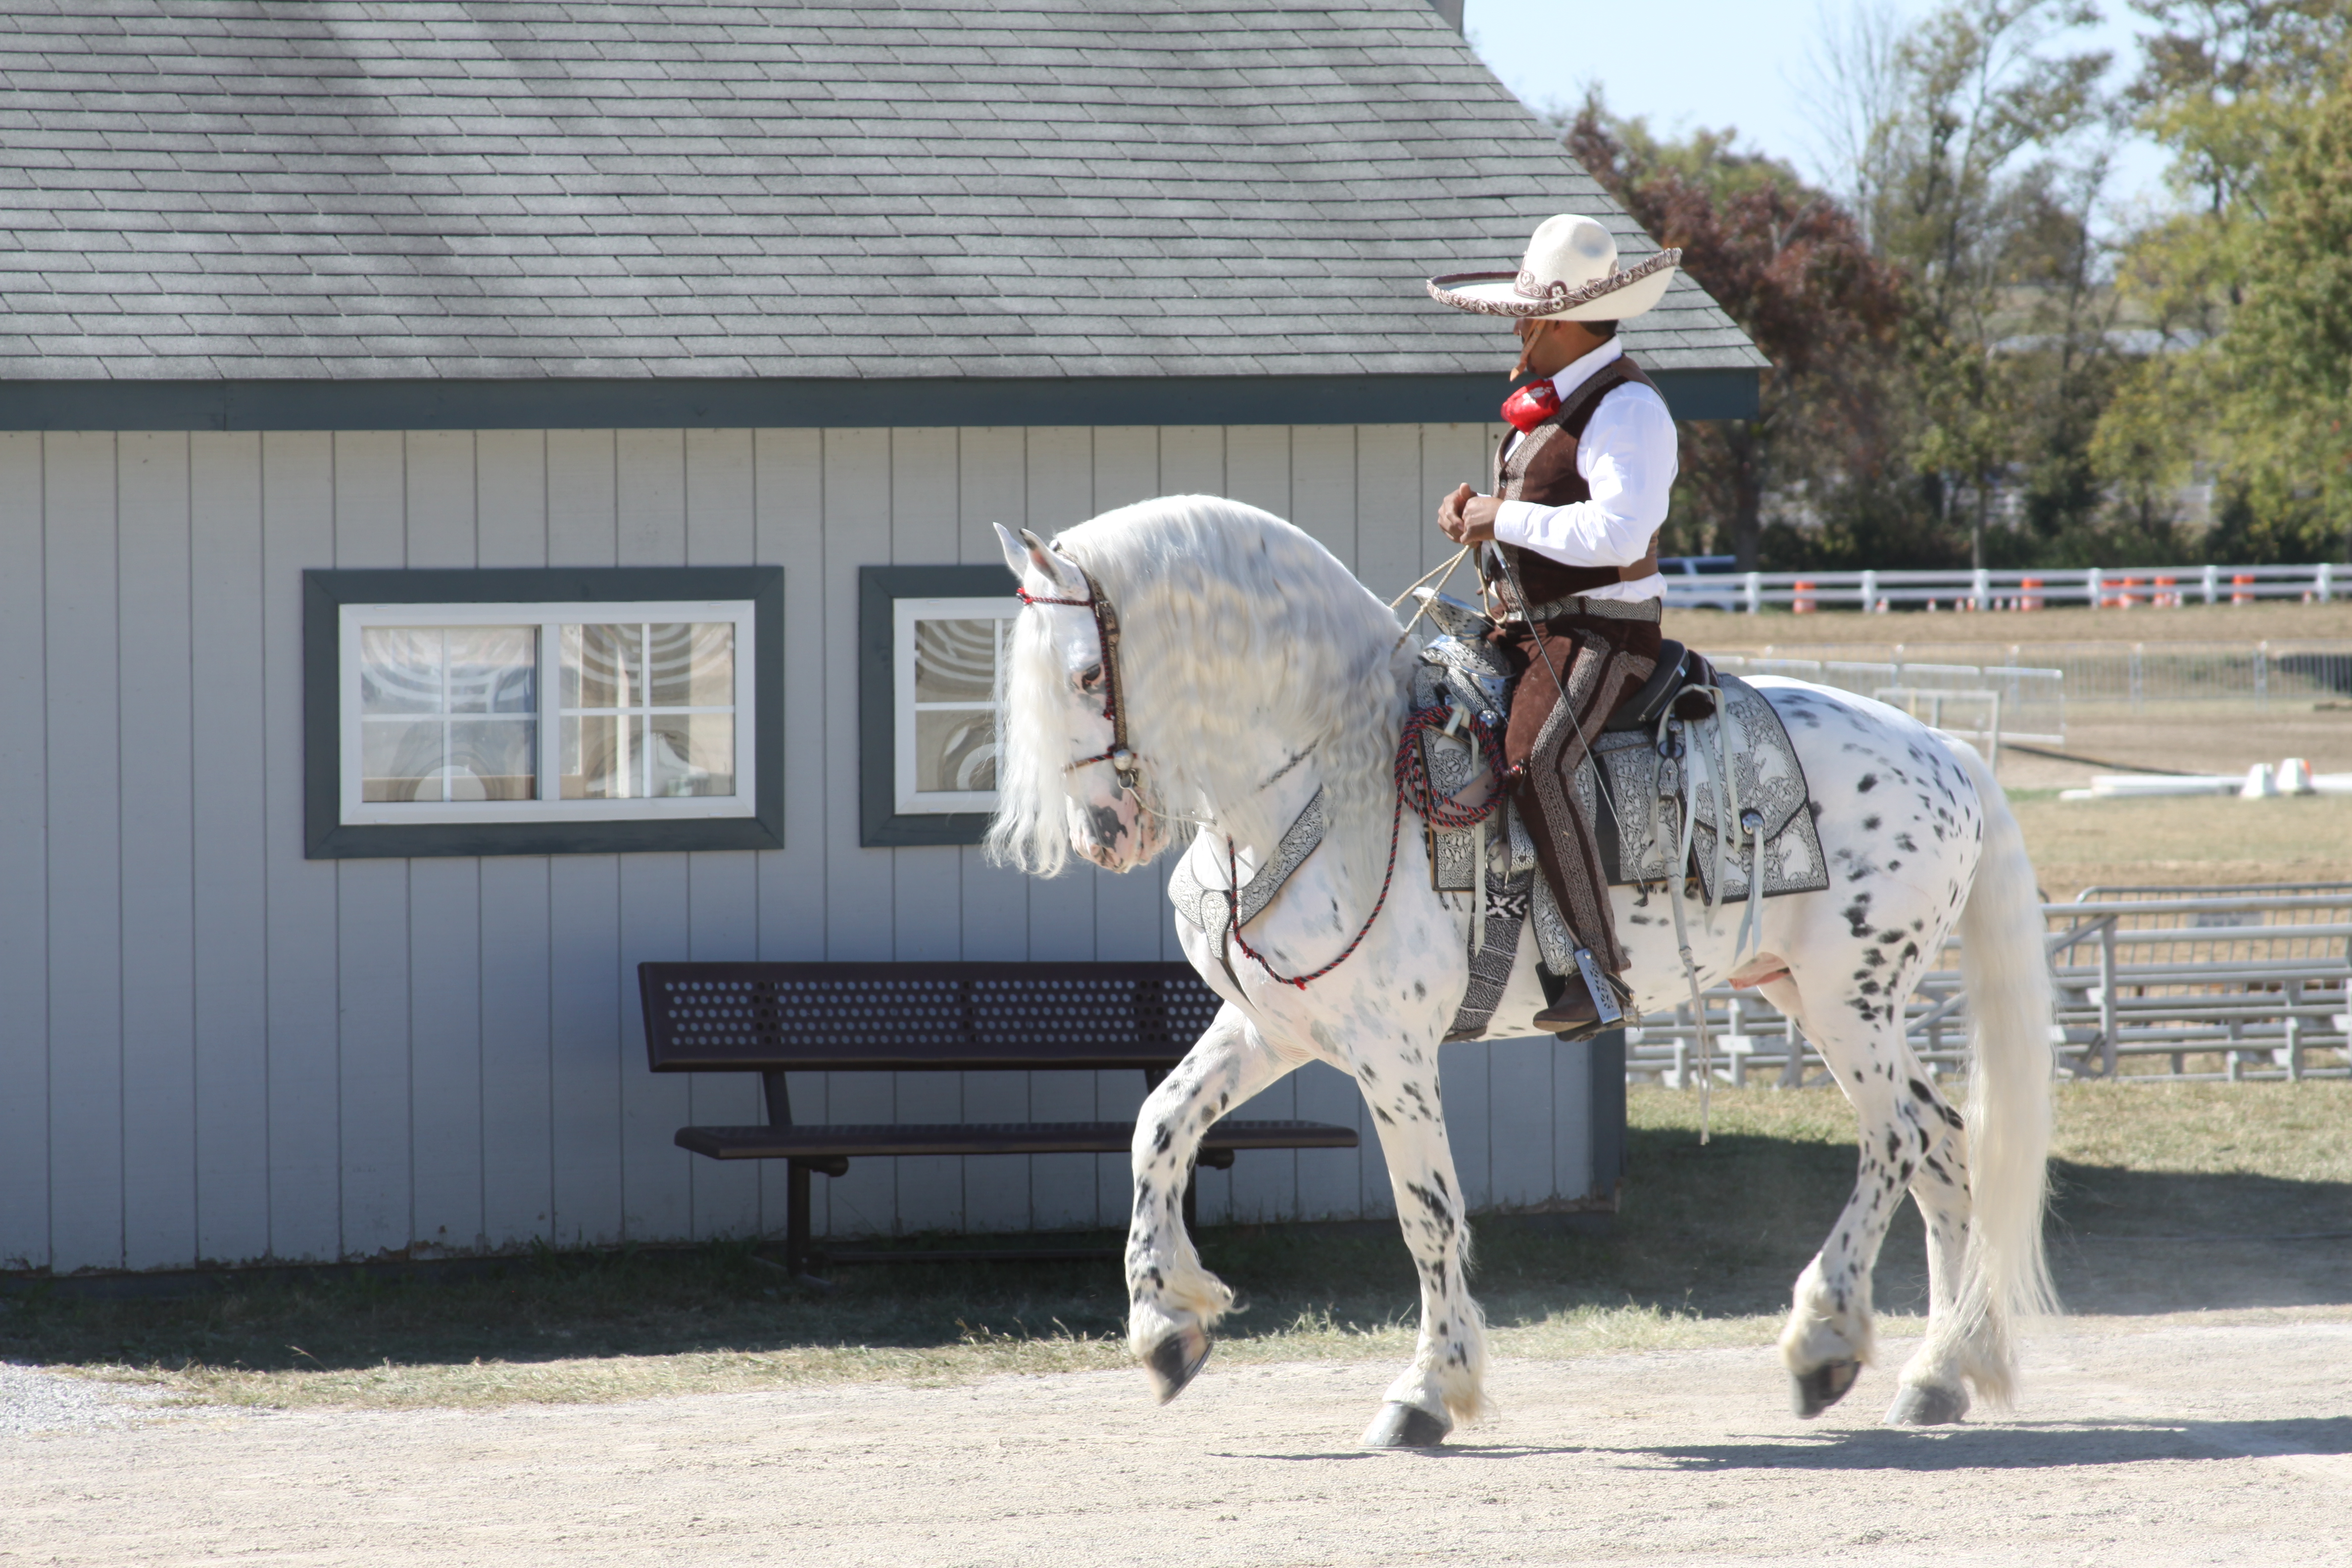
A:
{"points": [[1121, 758]]}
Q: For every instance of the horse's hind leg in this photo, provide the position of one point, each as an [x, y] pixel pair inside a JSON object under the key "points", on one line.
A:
{"points": [[1932, 1389], [1172, 1301], [1445, 1382], [1829, 1335]]}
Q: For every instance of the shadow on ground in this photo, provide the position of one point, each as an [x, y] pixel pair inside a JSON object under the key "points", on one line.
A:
{"points": [[1719, 1230]]}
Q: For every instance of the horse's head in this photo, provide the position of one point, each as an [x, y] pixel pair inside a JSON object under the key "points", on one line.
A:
{"points": [[1065, 778]]}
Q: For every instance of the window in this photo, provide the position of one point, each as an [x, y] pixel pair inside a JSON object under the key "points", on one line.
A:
{"points": [[558, 722], [932, 643], [944, 655]]}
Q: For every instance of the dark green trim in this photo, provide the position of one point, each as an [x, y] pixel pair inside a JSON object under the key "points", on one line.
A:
{"points": [[778, 401], [879, 824], [324, 593]]}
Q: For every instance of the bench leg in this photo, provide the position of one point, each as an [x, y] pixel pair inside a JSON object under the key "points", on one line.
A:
{"points": [[796, 1218], [798, 1249]]}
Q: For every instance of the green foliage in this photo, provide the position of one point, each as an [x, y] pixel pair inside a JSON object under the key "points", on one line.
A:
{"points": [[2251, 277], [1953, 382], [1792, 267]]}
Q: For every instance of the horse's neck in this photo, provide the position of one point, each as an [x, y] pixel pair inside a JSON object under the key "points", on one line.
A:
{"points": [[1288, 781]]}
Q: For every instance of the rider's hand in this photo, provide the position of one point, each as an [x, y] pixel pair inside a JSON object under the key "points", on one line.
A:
{"points": [[1466, 517]]}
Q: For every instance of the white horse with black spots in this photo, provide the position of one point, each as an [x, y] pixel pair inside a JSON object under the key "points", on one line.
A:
{"points": [[1248, 668]]}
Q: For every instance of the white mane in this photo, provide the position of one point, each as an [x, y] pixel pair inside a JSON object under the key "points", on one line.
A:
{"points": [[1236, 628]]}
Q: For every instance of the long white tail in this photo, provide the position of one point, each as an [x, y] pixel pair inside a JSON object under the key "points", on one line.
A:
{"points": [[2005, 1278]]}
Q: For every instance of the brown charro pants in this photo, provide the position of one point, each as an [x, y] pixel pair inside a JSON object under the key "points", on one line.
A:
{"points": [[1599, 663]]}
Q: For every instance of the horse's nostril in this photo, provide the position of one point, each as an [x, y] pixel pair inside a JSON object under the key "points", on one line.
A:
{"points": [[1103, 822]]}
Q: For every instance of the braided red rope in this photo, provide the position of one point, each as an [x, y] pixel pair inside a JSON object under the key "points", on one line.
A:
{"points": [[1412, 784]]}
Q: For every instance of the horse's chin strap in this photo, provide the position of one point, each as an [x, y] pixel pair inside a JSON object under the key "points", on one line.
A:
{"points": [[1121, 758]]}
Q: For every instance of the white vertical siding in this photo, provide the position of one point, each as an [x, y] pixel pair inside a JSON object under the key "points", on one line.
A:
{"points": [[158, 836], [85, 885], [24, 1143], [218, 1050], [229, 800]]}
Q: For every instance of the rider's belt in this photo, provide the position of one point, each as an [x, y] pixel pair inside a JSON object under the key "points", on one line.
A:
{"points": [[1581, 605]]}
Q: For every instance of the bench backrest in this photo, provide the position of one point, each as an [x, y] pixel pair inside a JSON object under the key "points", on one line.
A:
{"points": [[756, 1017]]}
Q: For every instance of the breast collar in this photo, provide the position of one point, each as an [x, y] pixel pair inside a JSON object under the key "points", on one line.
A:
{"points": [[1122, 760]]}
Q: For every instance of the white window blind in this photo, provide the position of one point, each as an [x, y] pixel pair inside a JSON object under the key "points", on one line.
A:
{"points": [[553, 712]]}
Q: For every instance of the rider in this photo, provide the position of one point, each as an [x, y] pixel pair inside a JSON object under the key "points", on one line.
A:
{"points": [[1568, 546]]}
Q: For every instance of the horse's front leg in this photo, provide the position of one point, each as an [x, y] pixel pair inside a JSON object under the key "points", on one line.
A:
{"points": [[1447, 1380], [1172, 1301]]}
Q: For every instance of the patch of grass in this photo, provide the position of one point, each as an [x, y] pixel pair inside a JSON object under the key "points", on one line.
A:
{"points": [[1703, 1253], [2191, 840]]}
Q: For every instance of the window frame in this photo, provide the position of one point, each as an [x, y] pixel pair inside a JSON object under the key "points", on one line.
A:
{"points": [[752, 819], [881, 722]]}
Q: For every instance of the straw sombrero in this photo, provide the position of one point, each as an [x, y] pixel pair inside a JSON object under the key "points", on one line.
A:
{"points": [[1570, 274]]}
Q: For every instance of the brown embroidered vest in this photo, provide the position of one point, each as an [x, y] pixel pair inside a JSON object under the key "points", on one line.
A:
{"points": [[1541, 468]]}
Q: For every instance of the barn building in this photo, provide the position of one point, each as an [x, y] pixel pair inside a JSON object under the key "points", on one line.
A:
{"points": [[358, 362]]}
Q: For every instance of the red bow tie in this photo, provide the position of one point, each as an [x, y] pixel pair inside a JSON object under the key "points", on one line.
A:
{"points": [[1531, 404]]}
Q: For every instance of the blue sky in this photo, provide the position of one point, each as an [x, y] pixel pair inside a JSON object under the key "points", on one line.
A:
{"points": [[1717, 63]]}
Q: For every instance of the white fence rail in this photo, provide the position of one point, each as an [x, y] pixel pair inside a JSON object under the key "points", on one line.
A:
{"points": [[2039, 588], [2155, 984], [2036, 697], [2015, 701]]}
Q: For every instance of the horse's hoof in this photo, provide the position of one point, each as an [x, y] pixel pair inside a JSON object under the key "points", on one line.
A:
{"points": [[1175, 1362], [1817, 1390], [1926, 1404], [1406, 1426]]}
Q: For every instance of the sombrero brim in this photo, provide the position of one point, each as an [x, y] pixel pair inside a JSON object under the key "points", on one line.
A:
{"points": [[1616, 298]]}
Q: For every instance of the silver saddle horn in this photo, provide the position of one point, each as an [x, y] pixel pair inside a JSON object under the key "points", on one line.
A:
{"points": [[1461, 664]]}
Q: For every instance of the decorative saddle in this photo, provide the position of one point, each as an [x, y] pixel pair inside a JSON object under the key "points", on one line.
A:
{"points": [[1688, 749]]}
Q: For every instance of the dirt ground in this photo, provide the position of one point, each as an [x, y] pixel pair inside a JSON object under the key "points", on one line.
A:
{"points": [[2190, 1439]]}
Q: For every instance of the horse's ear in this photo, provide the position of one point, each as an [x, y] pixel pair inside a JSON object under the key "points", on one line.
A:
{"points": [[1017, 554], [1030, 554]]}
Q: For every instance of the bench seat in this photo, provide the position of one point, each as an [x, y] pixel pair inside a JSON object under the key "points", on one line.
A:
{"points": [[828, 1140]]}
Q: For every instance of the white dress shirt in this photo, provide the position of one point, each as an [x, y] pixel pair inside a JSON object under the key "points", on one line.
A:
{"points": [[1627, 455]]}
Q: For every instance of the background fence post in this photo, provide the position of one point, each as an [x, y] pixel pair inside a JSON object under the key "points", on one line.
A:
{"points": [[1755, 590], [1870, 592], [2212, 584], [2094, 588], [2325, 582]]}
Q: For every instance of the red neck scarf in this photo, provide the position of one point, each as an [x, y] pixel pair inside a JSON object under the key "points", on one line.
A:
{"points": [[1531, 404]]}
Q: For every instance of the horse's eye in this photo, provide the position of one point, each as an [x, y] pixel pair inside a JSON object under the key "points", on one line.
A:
{"points": [[1091, 677]]}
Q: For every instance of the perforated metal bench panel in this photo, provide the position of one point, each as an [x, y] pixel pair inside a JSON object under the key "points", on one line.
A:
{"points": [[899, 1016]]}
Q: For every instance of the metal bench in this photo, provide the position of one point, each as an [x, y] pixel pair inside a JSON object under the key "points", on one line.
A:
{"points": [[775, 1018]]}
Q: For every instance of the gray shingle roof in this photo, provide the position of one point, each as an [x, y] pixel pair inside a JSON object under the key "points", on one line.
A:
{"points": [[620, 188]]}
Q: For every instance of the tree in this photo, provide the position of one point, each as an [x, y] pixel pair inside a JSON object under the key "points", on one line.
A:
{"points": [[1964, 145], [2244, 279], [2287, 359], [1788, 263]]}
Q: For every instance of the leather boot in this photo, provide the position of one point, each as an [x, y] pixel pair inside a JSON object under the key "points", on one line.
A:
{"points": [[1569, 1013]]}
